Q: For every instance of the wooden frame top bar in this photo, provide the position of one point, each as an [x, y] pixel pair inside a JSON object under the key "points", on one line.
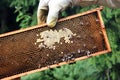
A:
{"points": [[43, 25]]}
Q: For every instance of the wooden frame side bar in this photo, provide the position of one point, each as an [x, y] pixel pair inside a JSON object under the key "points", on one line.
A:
{"points": [[104, 31]]}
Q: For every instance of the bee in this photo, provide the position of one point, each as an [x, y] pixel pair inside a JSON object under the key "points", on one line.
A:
{"points": [[67, 57], [88, 53], [78, 51]]}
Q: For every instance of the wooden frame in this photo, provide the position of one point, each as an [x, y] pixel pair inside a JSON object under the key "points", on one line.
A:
{"points": [[63, 63]]}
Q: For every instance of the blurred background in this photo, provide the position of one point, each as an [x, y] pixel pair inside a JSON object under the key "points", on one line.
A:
{"points": [[17, 14]]}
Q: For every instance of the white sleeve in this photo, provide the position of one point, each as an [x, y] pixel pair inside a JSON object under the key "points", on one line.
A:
{"points": [[110, 3]]}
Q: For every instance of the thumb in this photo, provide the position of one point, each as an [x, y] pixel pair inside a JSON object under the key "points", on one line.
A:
{"points": [[41, 16], [42, 11]]}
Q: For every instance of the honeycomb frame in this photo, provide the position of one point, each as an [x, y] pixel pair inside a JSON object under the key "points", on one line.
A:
{"points": [[6, 36]]}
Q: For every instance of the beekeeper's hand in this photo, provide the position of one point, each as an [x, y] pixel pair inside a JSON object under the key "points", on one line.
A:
{"points": [[54, 7], [48, 10]]}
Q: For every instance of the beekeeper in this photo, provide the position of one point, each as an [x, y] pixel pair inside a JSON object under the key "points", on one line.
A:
{"points": [[48, 10]]}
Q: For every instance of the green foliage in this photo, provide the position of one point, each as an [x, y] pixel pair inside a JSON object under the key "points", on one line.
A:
{"points": [[103, 67], [26, 12]]}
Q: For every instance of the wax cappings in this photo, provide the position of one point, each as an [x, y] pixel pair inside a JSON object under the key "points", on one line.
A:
{"points": [[48, 38]]}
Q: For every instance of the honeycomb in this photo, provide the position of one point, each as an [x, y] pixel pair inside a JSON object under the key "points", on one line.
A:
{"points": [[20, 53]]}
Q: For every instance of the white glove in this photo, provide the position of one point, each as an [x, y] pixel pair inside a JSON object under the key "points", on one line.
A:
{"points": [[54, 7], [48, 10]]}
